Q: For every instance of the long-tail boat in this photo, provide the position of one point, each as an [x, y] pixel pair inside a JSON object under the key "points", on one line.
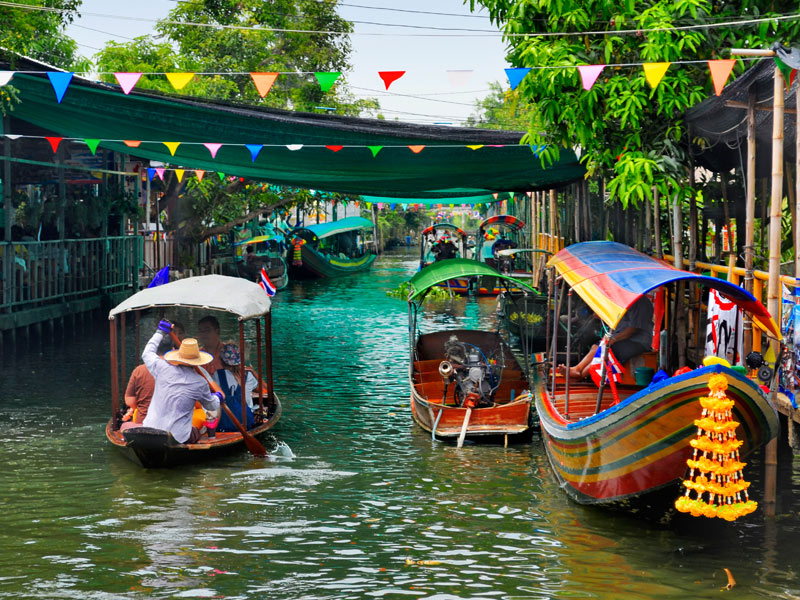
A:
{"points": [[495, 234], [331, 249], [465, 383], [246, 300], [268, 254], [442, 241], [611, 450]]}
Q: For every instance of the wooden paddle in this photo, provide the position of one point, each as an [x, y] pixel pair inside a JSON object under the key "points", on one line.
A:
{"points": [[464, 425], [253, 445]]}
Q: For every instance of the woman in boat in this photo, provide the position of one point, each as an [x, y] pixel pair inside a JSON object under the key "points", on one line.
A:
{"points": [[229, 380], [208, 334]]}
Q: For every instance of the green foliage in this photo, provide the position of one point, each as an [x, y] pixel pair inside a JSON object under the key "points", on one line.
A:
{"points": [[629, 133], [500, 110], [435, 294]]}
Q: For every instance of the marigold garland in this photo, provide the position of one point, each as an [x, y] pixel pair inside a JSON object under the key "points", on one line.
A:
{"points": [[715, 471]]}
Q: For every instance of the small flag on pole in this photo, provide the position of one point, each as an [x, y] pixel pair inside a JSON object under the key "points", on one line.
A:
{"points": [[160, 278], [266, 284]]}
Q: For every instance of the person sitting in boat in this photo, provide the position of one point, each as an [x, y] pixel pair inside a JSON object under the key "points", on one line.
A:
{"points": [[177, 386], [444, 249], [250, 257], [139, 392], [208, 335], [632, 337], [229, 380]]}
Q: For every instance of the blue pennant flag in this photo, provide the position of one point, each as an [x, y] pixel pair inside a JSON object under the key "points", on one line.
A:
{"points": [[516, 75], [150, 173], [60, 82], [254, 150], [160, 278]]}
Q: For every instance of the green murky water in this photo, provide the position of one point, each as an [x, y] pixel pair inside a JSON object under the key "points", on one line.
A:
{"points": [[368, 507]]}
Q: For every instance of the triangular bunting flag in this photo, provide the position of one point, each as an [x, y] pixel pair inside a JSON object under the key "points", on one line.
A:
{"points": [[720, 71], [179, 80], [92, 144], [150, 173], [127, 81], [475, 146], [416, 149], [254, 150], [179, 174], [294, 147], [389, 77], [132, 143], [173, 146], [213, 148], [786, 71], [654, 72], [160, 173], [264, 82], [458, 77], [589, 74], [334, 148], [326, 80], [375, 150], [12, 136], [5, 77], [54, 142], [60, 82], [516, 75], [199, 174], [221, 176]]}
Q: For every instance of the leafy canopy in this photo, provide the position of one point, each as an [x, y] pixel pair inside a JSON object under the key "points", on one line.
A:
{"points": [[627, 132]]}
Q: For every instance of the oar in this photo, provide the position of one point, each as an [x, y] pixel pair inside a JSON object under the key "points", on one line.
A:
{"points": [[253, 445], [463, 433]]}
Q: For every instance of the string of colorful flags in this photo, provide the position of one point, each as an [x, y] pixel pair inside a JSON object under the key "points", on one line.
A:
{"points": [[720, 70]]}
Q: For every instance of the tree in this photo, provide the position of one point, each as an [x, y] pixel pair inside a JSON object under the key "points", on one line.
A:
{"points": [[500, 109], [627, 132]]}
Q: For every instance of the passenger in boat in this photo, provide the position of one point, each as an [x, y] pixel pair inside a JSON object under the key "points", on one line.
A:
{"points": [[632, 337], [177, 386], [208, 335], [250, 257], [229, 379]]}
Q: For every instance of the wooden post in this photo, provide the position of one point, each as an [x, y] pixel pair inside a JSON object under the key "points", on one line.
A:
{"points": [[692, 211], [677, 233], [553, 223], [122, 346], [112, 325], [750, 215], [657, 222], [138, 344], [242, 374], [268, 348], [776, 199], [8, 210], [260, 386]]}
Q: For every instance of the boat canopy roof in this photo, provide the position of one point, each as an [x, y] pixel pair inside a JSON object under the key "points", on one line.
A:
{"points": [[512, 223], [235, 295], [450, 226], [453, 268], [510, 251], [323, 230], [610, 277], [261, 238]]}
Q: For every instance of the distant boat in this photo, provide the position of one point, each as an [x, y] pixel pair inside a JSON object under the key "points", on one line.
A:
{"points": [[607, 451], [440, 242], [330, 249], [153, 448], [495, 234], [267, 253], [465, 384]]}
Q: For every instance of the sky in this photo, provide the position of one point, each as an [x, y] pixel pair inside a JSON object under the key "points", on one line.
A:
{"points": [[426, 60]]}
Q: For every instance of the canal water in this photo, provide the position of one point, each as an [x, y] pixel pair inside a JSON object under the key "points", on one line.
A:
{"points": [[368, 507]]}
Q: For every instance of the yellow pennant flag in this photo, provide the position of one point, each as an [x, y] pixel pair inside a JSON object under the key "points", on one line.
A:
{"points": [[173, 146], [654, 72], [475, 146], [179, 80], [179, 174]]}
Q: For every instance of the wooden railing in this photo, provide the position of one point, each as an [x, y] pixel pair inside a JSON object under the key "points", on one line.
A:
{"points": [[41, 273]]}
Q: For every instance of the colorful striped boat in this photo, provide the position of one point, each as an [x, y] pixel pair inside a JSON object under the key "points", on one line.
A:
{"points": [[612, 450], [442, 241]]}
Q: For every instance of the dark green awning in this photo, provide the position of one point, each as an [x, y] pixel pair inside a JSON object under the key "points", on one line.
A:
{"points": [[453, 268], [444, 168], [323, 230]]}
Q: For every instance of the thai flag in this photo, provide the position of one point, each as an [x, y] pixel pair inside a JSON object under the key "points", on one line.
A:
{"points": [[614, 370], [266, 284]]}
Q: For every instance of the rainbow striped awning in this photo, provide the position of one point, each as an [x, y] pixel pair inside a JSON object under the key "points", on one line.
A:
{"points": [[449, 226], [507, 220], [610, 277]]}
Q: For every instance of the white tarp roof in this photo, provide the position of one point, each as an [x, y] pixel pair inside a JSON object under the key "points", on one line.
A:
{"points": [[212, 292]]}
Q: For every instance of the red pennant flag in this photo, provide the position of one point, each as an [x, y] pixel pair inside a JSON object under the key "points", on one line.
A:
{"points": [[720, 71], [264, 82], [54, 142], [334, 148], [389, 77], [416, 149]]}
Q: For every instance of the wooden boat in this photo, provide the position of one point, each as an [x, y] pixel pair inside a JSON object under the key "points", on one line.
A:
{"points": [[497, 233], [609, 452], [331, 249], [465, 384], [269, 255], [155, 448], [442, 241]]}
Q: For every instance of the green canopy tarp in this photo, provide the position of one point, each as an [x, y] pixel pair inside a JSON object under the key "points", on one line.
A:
{"points": [[455, 200], [444, 168], [453, 268], [323, 230]]}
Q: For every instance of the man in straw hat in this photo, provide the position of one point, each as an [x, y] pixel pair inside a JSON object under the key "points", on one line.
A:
{"points": [[178, 386]]}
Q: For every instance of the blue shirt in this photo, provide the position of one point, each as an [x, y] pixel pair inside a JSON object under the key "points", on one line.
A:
{"points": [[176, 391]]}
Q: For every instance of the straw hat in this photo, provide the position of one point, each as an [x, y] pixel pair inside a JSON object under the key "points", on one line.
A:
{"points": [[189, 354]]}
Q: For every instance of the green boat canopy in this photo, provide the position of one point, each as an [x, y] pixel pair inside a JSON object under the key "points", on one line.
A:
{"points": [[454, 200], [316, 151], [323, 230], [453, 268]]}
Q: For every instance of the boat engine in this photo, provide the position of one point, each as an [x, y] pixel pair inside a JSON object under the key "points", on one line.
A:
{"points": [[467, 368]]}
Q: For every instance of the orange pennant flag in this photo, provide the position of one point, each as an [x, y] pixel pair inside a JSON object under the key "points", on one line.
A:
{"points": [[720, 71], [132, 143], [179, 80], [416, 149], [173, 146], [179, 174], [199, 174], [264, 82]]}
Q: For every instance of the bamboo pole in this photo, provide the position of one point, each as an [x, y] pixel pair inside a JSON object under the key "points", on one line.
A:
{"points": [[773, 289], [657, 221], [750, 214]]}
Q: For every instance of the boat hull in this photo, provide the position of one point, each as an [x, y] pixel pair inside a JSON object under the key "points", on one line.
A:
{"points": [[154, 448], [316, 265], [640, 445], [277, 271]]}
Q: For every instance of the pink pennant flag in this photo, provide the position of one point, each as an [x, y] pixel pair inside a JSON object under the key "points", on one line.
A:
{"points": [[127, 81], [389, 77], [589, 74], [459, 77], [160, 173], [199, 174], [213, 148]]}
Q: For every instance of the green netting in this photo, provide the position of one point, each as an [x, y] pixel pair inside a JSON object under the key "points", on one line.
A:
{"points": [[444, 168], [455, 200]]}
